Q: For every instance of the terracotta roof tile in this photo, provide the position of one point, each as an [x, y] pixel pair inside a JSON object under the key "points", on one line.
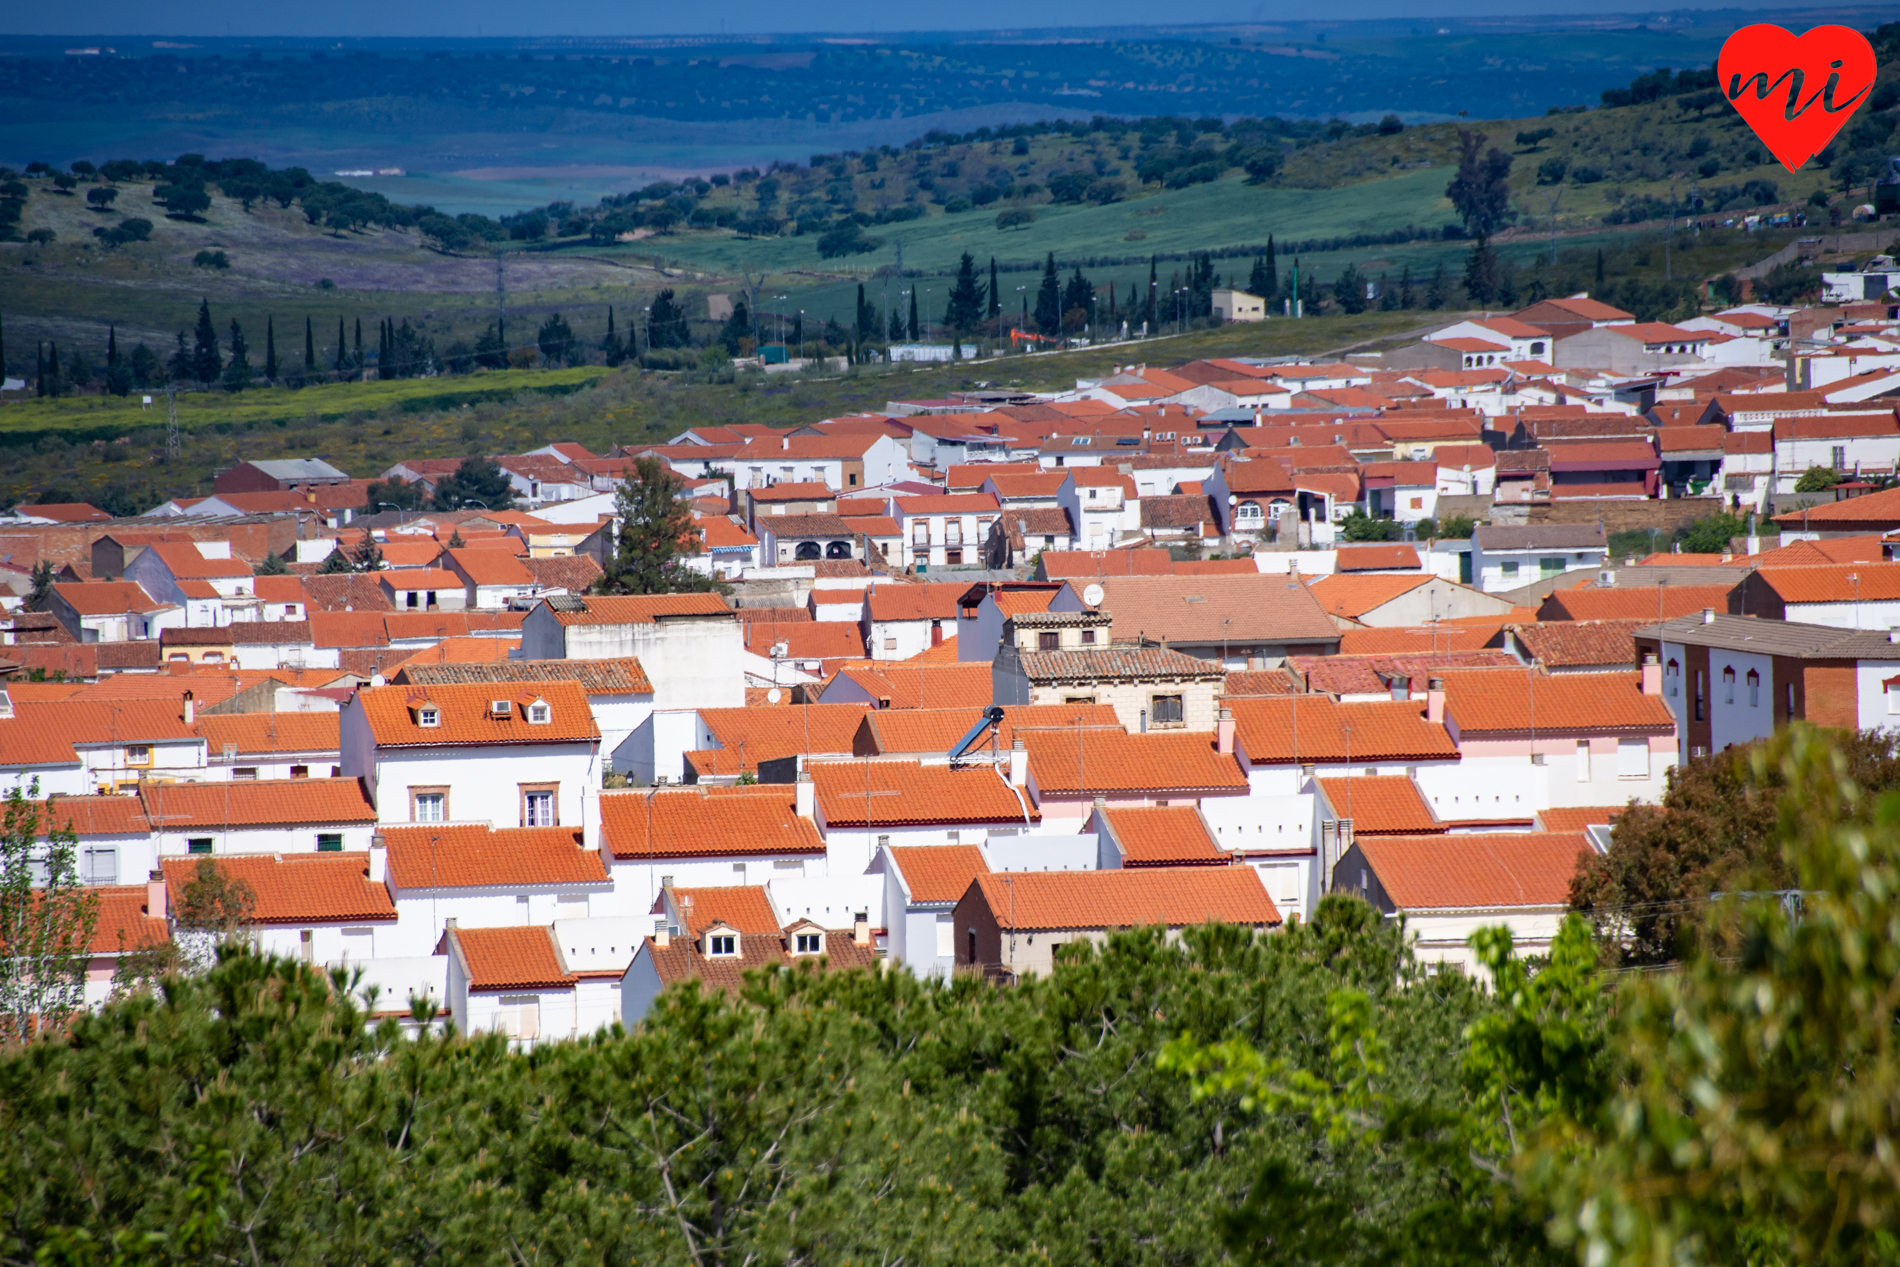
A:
{"points": [[1162, 836], [1313, 729], [870, 794], [336, 592], [757, 735], [1242, 683], [744, 907], [353, 629], [1370, 558], [1059, 565], [471, 855], [641, 609], [184, 562], [1855, 514], [619, 676], [934, 601], [1520, 701], [681, 961], [98, 815], [1385, 804], [1574, 818], [901, 686], [706, 822], [812, 640], [1096, 664], [1174, 897], [393, 713], [1102, 762], [491, 567], [520, 958], [265, 733], [107, 598], [173, 807], [1875, 582], [1653, 602], [1420, 639], [912, 731], [321, 888], [1351, 596], [1372, 674], [125, 922], [939, 873], [1213, 609], [1577, 643], [1478, 871]]}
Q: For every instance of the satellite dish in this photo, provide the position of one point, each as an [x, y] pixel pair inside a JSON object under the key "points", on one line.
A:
{"points": [[773, 696], [1093, 596]]}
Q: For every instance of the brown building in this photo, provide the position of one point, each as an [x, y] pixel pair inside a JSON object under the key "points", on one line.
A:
{"points": [[277, 476]]}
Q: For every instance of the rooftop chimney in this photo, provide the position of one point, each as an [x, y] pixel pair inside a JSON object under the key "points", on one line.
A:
{"points": [[1435, 701], [785, 443], [803, 795], [1224, 733], [662, 934], [1018, 764], [861, 928], [1893, 635], [1708, 615], [1652, 674], [378, 859], [191, 709], [1402, 685], [155, 894]]}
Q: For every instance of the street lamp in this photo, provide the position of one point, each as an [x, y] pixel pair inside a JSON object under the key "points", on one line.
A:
{"points": [[1024, 292], [801, 334], [392, 506]]}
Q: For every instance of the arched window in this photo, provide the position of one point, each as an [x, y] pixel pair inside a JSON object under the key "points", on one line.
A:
{"points": [[807, 551], [1728, 685], [1754, 689], [838, 550], [1672, 679], [1249, 513]]}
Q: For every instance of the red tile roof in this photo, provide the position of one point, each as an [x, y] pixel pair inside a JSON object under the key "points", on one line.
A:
{"points": [[98, 815], [700, 822], [183, 561], [1162, 836], [938, 874], [265, 733], [1311, 729], [1484, 872], [1384, 804], [1241, 683], [936, 601], [809, 640], [1523, 701], [125, 921], [1103, 762], [1369, 558], [394, 713], [520, 958], [1372, 674], [1351, 596], [1059, 565], [1569, 644], [256, 803], [870, 794], [641, 609], [1575, 818], [107, 598], [744, 907], [491, 567], [320, 888], [1844, 583], [1173, 897], [470, 855], [906, 731], [1586, 602]]}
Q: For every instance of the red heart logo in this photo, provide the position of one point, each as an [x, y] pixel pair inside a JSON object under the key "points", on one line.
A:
{"points": [[1796, 91]]}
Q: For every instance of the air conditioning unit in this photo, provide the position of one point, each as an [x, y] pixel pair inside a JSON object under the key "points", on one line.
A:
{"points": [[501, 708]]}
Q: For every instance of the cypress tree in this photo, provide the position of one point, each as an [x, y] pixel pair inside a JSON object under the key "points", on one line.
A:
{"points": [[206, 362], [360, 363], [1153, 290], [237, 375], [270, 348], [1599, 268], [1049, 299], [309, 348], [112, 346], [1273, 270], [53, 385], [996, 294], [913, 314]]}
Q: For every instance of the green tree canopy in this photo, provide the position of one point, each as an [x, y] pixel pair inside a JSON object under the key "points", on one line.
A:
{"points": [[655, 537], [477, 479]]}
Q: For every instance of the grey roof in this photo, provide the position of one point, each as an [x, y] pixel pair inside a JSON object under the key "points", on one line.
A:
{"points": [[1774, 637], [621, 676], [1539, 537], [300, 469]]}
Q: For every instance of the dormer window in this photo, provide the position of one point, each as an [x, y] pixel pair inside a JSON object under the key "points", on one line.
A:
{"points": [[429, 716], [808, 944], [722, 945], [538, 713]]}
